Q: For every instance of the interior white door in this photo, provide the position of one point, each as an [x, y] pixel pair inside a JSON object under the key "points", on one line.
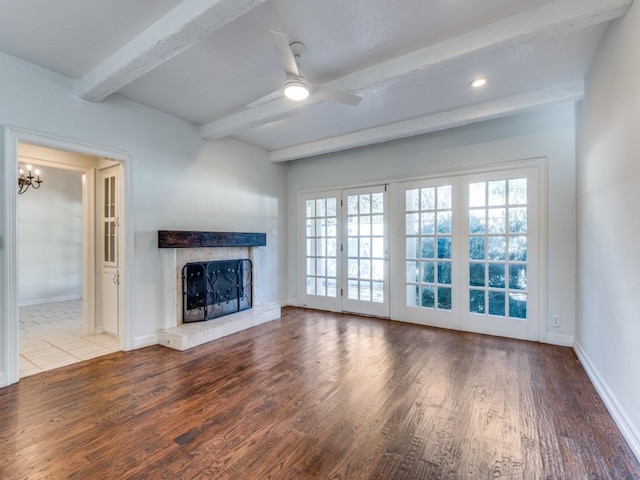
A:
{"points": [[366, 251], [110, 251]]}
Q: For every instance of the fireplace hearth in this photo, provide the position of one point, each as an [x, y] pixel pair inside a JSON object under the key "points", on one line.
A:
{"points": [[215, 289]]}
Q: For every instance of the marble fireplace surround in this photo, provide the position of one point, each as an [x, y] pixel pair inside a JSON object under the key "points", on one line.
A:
{"points": [[178, 248]]}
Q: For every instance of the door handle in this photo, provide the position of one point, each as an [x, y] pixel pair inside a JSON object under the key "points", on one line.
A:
{"points": [[115, 278]]}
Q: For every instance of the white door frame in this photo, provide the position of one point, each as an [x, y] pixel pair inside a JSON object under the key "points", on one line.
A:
{"points": [[9, 322]]}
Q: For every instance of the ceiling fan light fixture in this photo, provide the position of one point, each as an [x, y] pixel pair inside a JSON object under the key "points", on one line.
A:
{"points": [[296, 90]]}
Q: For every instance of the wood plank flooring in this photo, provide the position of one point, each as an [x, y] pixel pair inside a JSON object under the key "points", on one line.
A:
{"points": [[316, 395]]}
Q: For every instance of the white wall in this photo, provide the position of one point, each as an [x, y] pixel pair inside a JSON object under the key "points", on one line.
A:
{"points": [[543, 133], [50, 239], [178, 180], [608, 333]]}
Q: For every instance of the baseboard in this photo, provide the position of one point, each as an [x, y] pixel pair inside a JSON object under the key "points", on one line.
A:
{"points": [[145, 341], [561, 340], [627, 428], [40, 301], [289, 302], [3, 380]]}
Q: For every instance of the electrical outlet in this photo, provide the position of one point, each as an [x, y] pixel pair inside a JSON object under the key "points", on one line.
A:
{"points": [[555, 321]]}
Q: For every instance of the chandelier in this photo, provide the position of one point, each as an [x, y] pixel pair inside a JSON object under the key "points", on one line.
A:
{"points": [[28, 180]]}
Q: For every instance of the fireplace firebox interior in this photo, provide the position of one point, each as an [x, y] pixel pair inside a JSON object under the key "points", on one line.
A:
{"points": [[215, 289]]}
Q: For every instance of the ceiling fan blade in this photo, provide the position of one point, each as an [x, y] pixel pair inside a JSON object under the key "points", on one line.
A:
{"points": [[287, 60], [266, 99], [336, 95]]}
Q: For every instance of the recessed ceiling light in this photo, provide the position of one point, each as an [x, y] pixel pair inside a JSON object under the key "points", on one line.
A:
{"points": [[479, 82]]}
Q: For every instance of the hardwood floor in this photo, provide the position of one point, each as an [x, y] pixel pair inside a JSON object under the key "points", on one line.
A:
{"points": [[316, 395]]}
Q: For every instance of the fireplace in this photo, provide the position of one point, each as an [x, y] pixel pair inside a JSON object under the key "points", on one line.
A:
{"points": [[215, 289], [180, 330]]}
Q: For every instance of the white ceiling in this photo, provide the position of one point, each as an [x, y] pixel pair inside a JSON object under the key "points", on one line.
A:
{"points": [[411, 61]]}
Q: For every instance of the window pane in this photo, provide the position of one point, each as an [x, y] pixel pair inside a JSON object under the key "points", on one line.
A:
{"points": [[365, 203], [476, 301], [496, 220], [497, 192], [352, 290], [428, 272], [444, 298], [444, 222], [321, 210], [518, 220], [321, 230], [428, 297], [412, 295], [412, 247], [378, 292], [377, 225], [311, 266], [476, 248], [518, 191], [331, 247], [476, 275], [352, 247], [311, 228], [311, 286], [444, 273], [477, 194], [497, 248], [496, 275], [352, 266], [311, 208], [365, 268], [352, 204], [331, 287], [377, 269], [365, 291], [444, 197], [518, 249], [427, 248], [444, 247], [428, 198], [331, 207], [477, 220], [332, 267], [413, 224], [496, 303], [321, 287], [321, 267], [412, 272], [331, 227], [518, 277], [365, 247], [427, 223], [365, 225], [412, 199], [377, 203], [352, 226], [517, 305], [311, 247], [377, 247]]}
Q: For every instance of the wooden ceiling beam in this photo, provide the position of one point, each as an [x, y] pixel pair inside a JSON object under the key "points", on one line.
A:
{"points": [[187, 23]]}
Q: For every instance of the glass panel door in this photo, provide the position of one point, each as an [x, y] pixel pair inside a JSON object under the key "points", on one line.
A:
{"points": [[430, 239], [501, 255], [366, 252], [321, 251]]}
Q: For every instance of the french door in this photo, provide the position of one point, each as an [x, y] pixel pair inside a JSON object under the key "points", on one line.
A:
{"points": [[471, 253], [346, 249]]}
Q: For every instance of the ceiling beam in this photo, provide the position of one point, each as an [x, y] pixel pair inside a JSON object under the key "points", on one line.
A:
{"points": [[179, 29], [558, 17], [570, 92]]}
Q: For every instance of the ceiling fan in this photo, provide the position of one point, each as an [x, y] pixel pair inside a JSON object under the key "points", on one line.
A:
{"points": [[296, 87]]}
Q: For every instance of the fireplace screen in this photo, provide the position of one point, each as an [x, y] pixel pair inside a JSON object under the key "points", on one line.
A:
{"points": [[214, 289]]}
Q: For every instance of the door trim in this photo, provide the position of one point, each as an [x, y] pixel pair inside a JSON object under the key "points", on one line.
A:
{"points": [[9, 323]]}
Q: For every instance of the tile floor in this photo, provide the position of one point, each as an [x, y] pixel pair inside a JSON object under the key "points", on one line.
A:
{"points": [[51, 337]]}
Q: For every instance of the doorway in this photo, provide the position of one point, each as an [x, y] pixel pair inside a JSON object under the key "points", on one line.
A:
{"points": [[15, 143]]}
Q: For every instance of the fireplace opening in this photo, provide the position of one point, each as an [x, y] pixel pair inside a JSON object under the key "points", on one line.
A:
{"points": [[214, 289]]}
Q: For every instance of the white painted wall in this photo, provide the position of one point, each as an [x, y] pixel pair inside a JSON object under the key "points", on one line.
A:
{"points": [[608, 329], [50, 239], [178, 180], [543, 133]]}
